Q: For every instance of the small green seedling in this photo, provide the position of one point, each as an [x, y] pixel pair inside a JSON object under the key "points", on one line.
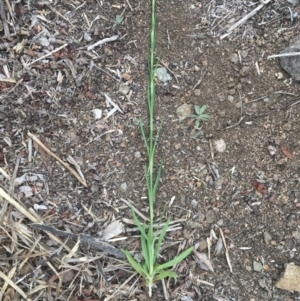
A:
{"points": [[152, 237], [200, 115], [118, 21]]}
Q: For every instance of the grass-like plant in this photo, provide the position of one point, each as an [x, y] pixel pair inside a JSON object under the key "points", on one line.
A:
{"points": [[151, 240], [200, 115]]}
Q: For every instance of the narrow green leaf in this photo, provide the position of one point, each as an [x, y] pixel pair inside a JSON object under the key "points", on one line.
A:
{"points": [[197, 123], [165, 274], [161, 237], [157, 136], [135, 265], [145, 250], [159, 222], [147, 177], [157, 177], [202, 109], [119, 19], [143, 135], [197, 110], [175, 260], [138, 224], [204, 116]]}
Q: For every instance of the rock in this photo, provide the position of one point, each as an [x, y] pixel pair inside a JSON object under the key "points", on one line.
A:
{"points": [[267, 238], [290, 279], [230, 98], [124, 89], [238, 105], [220, 222], [234, 58], [162, 74], [284, 199], [177, 146], [193, 225], [279, 75], [197, 92], [202, 245], [262, 282], [97, 113], [245, 71], [107, 51], [137, 155], [291, 64], [257, 266], [220, 145], [123, 187], [41, 41], [210, 216], [218, 183], [183, 111], [196, 68], [202, 173], [287, 126], [296, 235], [221, 113]]}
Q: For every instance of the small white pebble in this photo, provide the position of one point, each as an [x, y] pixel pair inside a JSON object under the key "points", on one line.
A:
{"points": [[220, 145]]}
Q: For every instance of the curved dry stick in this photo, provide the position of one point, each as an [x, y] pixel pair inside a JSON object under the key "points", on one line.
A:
{"points": [[66, 165]]}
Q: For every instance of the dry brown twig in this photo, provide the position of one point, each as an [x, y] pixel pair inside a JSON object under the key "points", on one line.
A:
{"points": [[48, 54], [66, 165], [226, 250]]}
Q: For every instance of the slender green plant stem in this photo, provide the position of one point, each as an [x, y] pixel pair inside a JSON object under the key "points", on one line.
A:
{"points": [[151, 100], [150, 241]]}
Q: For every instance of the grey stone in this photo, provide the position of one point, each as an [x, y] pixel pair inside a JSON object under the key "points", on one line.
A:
{"points": [[124, 89], [296, 235], [234, 58], [267, 238], [210, 216], [193, 225], [218, 183], [41, 41], [290, 279], [245, 71], [262, 282], [257, 266], [162, 74], [230, 98], [123, 187], [202, 245], [137, 155], [291, 64], [183, 111], [197, 92]]}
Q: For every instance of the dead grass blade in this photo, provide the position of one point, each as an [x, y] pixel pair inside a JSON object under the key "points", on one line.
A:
{"points": [[48, 151], [226, 250], [14, 286], [18, 206]]}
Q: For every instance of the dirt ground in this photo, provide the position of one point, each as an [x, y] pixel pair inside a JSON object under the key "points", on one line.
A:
{"points": [[249, 189]]}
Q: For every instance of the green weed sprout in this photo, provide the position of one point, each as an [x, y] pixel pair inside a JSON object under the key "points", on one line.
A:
{"points": [[200, 115], [151, 240], [118, 21]]}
